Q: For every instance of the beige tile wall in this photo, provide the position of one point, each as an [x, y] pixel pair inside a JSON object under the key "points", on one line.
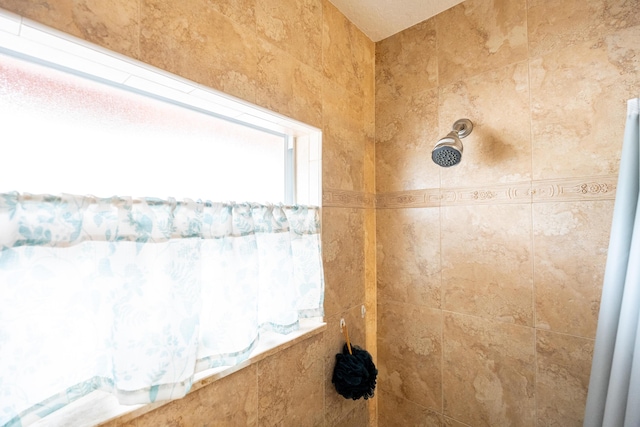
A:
{"points": [[304, 59], [482, 303], [489, 273]]}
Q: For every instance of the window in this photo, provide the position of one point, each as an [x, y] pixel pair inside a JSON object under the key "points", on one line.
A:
{"points": [[122, 142], [150, 228], [99, 119]]}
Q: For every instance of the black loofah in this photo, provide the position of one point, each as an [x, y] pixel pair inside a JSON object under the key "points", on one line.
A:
{"points": [[354, 376]]}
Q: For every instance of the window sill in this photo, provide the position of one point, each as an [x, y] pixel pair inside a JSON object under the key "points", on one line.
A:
{"points": [[101, 407]]}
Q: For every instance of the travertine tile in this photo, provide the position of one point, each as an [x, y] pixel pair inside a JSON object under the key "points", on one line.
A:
{"points": [[195, 41], [559, 24], [369, 91], [347, 54], [288, 86], [488, 372], [291, 386], [398, 412], [294, 27], [359, 417], [369, 114], [369, 162], [487, 261], [410, 353], [407, 62], [578, 103], [230, 401], [450, 422], [347, 199], [371, 299], [239, 11], [113, 25], [570, 241], [408, 256], [406, 131], [406, 110], [562, 380], [369, 108], [480, 35], [336, 407], [344, 140], [498, 150], [343, 255], [371, 286]]}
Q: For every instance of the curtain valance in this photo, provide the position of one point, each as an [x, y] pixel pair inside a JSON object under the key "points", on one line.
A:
{"points": [[64, 220]]}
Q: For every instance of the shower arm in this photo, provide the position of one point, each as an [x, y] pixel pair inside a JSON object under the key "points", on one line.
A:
{"points": [[462, 127]]}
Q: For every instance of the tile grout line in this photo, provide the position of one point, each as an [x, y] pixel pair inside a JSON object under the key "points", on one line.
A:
{"points": [[532, 230], [442, 335]]}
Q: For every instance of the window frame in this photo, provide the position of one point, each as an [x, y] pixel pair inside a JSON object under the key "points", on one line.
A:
{"points": [[34, 42]]}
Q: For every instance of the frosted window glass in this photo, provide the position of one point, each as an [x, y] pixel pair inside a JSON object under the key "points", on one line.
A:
{"points": [[64, 133]]}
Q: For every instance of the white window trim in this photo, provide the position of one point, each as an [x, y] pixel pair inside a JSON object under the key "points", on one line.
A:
{"points": [[25, 38]]}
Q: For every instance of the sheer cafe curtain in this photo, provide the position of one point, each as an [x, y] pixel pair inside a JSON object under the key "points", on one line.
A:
{"points": [[134, 296]]}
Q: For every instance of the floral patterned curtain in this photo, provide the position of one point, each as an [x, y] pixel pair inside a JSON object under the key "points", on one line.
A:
{"points": [[134, 296]]}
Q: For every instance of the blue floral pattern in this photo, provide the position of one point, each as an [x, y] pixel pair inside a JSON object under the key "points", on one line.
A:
{"points": [[135, 296]]}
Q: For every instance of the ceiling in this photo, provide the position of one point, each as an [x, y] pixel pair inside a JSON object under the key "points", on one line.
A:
{"points": [[379, 19]]}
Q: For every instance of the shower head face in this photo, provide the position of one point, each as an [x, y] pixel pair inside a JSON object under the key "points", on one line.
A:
{"points": [[448, 151], [446, 156]]}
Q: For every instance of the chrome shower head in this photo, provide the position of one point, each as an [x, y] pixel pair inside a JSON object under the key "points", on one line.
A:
{"points": [[448, 150]]}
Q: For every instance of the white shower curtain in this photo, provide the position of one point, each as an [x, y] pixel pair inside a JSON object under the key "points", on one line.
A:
{"points": [[614, 388]]}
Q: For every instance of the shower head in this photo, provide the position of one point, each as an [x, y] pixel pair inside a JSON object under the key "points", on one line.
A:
{"points": [[448, 150]]}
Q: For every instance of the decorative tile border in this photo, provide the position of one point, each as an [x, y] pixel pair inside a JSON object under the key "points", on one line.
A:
{"points": [[591, 188], [570, 189], [409, 199], [550, 190], [497, 194], [348, 199]]}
